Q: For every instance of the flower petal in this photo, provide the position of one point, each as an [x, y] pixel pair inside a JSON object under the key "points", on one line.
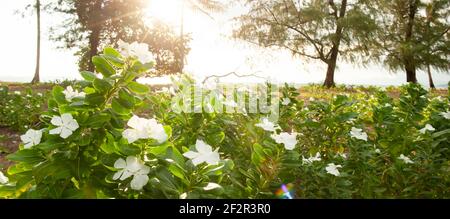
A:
{"points": [[118, 174], [55, 131], [202, 147], [191, 154], [120, 164], [57, 121], [65, 133], [139, 181]]}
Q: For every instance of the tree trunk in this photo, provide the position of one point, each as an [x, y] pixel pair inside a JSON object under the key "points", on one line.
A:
{"points": [[94, 41], [408, 58], [95, 25], [36, 78], [329, 79], [410, 71], [430, 78]]}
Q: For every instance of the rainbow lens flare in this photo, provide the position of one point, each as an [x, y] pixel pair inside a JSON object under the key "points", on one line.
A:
{"points": [[286, 191]]}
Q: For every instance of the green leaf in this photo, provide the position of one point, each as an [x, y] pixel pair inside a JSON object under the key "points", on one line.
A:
{"points": [[138, 88], [127, 149], [88, 76], [111, 52], [176, 171], [102, 86], [95, 99], [440, 133], [58, 94], [102, 66], [108, 146], [98, 120], [29, 156], [118, 108]]}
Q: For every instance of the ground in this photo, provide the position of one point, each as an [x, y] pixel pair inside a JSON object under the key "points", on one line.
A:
{"points": [[9, 142]]}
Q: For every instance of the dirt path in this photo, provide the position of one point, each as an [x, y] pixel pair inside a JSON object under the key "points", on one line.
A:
{"points": [[9, 142]]}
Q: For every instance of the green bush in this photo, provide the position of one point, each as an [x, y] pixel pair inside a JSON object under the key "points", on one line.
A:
{"points": [[350, 146]]}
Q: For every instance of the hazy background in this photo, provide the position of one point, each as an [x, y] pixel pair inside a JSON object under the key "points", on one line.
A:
{"points": [[213, 52]]}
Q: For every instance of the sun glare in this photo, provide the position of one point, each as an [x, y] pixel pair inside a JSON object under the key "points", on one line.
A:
{"points": [[168, 11]]}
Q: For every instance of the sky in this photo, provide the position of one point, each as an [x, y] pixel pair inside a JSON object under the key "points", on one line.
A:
{"points": [[213, 52]]}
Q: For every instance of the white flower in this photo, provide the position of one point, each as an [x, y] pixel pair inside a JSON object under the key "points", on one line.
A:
{"points": [[358, 134], [144, 129], [132, 167], [267, 125], [66, 125], [137, 50], [211, 186], [70, 93], [204, 154], [3, 178], [312, 159], [427, 127], [183, 196], [39, 94], [446, 115], [343, 155], [289, 140], [17, 92], [377, 151], [333, 169], [286, 101], [405, 159], [31, 138]]}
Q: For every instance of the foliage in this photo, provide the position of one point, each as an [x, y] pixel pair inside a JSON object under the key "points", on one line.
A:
{"points": [[91, 25], [20, 110], [319, 30], [363, 145]]}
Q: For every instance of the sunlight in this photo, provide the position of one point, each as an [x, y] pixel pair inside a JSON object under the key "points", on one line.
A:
{"points": [[168, 11]]}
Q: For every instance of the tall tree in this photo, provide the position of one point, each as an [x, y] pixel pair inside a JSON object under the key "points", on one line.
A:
{"points": [[315, 29], [435, 38], [91, 24], [36, 78], [413, 35]]}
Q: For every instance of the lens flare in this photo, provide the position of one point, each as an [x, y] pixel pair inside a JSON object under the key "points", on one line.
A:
{"points": [[285, 192]]}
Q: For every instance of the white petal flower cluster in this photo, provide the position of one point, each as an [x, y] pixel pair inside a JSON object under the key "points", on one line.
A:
{"points": [[446, 115], [289, 140], [65, 124], [311, 159], [405, 159], [31, 138], [358, 134], [333, 169], [427, 127], [3, 178], [132, 167], [203, 153], [144, 129], [267, 125], [70, 93], [137, 50]]}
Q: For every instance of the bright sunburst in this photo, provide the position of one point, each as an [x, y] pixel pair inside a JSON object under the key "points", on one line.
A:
{"points": [[168, 11]]}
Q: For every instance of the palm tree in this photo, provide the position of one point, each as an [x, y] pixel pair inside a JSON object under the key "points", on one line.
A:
{"points": [[206, 7], [38, 49]]}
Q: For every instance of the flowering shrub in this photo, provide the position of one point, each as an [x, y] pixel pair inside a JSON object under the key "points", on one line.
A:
{"points": [[20, 110], [95, 145]]}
